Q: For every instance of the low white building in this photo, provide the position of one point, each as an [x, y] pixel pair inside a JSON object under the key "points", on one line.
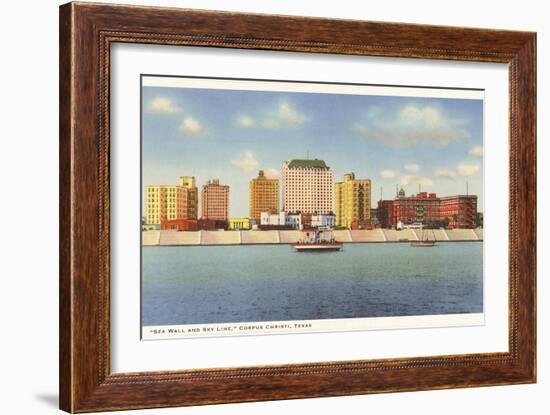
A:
{"points": [[281, 219], [295, 221], [272, 219], [325, 221], [415, 225]]}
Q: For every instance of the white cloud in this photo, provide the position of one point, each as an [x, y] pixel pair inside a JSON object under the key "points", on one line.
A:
{"points": [[286, 116], [191, 126], [388, 174], [449, 174], [412, 124], [416, 180], [460, 170], [272, 173], [283, 116], [412, 167], [467, 169], [246, 121], [476, 151], [248, 163], [162, 105]]}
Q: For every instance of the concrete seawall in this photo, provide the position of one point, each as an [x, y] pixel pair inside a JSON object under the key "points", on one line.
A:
{"points": [[176, 238]]}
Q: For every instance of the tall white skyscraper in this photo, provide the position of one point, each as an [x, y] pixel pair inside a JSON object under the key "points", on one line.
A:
{"points": [[308, 187]]}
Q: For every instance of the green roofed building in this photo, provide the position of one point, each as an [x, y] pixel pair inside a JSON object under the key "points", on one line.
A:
{"points": [[315, 163], [307, 187]]}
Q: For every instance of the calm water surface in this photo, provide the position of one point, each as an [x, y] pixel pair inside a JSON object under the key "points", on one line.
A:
{"points": [[222, 284]]}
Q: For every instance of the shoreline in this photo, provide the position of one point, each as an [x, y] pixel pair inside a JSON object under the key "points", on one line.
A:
{"points": [[285, 243], [232, 238]]}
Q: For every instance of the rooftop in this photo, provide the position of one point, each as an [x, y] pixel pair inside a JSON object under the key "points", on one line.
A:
{"points": [[315, 164], [459, 197]]}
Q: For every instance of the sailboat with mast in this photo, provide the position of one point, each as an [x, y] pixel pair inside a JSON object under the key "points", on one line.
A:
{"points": [[424, 241]]}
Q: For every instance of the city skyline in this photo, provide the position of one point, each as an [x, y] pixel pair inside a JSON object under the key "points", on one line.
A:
{"points": [[229, 135]]}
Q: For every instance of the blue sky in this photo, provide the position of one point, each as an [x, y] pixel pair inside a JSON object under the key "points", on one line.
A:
{"points": [[231, 134]]}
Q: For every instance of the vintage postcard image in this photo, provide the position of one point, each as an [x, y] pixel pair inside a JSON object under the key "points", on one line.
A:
{"points": [[273, 207]]}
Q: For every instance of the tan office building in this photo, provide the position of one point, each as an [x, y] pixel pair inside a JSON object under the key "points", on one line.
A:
{"points": [[264, 196], [170, 202], [353, 202], [308, 187], [215, 200]]}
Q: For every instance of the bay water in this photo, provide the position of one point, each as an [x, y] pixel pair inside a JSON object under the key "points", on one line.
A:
{"points": [[249, 283]]}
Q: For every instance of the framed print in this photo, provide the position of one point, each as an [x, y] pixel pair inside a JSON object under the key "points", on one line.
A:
{"points": [[260, 207]]}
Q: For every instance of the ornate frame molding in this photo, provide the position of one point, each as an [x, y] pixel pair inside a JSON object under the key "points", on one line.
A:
{"points": [[86, 33]]}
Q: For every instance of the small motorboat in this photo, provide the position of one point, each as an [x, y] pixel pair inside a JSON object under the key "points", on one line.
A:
{"points": [[320, 240]]}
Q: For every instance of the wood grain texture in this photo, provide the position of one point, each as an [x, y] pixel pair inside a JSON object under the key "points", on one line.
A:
{"points": [[86, 33], [65, 246]]}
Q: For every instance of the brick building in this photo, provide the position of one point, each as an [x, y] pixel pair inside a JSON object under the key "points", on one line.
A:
{"points": [[460, 211], [385, 213], [421, 208], [169, 202], [180, 225], [264, 196], [424, 208], [353, 200], [215, 201], [193, 225]]}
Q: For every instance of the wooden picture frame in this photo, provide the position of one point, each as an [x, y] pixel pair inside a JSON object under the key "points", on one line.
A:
{"points": [[86, 33]]}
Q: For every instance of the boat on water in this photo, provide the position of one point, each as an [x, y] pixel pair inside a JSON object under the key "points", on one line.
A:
{"points": [[424, 241], [420, 244], [319, 240]]}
